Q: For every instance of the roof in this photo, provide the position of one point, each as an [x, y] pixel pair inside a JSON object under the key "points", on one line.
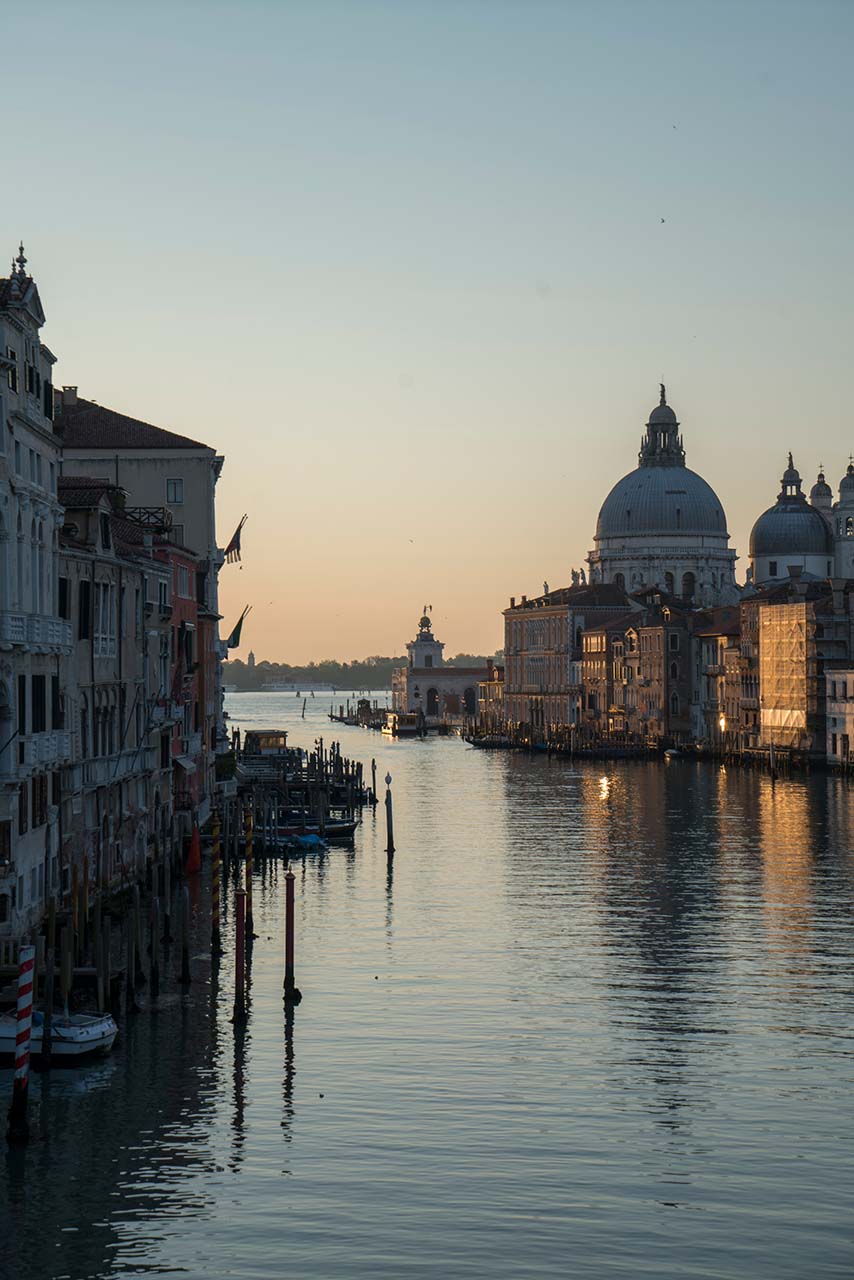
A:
{"points": [[87, 425], [79, 492], [661, 500], [791, 527], [579, 596], [723, 621]]}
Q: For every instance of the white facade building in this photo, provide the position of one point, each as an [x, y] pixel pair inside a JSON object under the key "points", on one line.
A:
{"points": [[663, 525], [34, 742]]}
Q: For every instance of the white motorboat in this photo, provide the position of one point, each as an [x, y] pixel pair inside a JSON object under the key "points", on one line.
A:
{"points": [[74, 1037]]}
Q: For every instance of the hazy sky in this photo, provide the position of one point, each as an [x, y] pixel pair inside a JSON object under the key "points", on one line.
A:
{"points": [[404, 264]]}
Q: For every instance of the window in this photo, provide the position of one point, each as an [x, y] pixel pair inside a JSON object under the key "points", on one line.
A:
{"points": [[5, 844], [174, 492], [163, 595], [84, 610], [106, 540], [23, 798], [177, 534], [12, 375], [22, 705], [772, 568], [183, 582], [39, 705], [57, 710], [105, 620], [833, 748], [63, 598], [39, 800], [674, 642]]}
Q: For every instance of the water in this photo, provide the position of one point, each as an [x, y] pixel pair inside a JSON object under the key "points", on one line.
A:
{"points": [[596, 1022]]}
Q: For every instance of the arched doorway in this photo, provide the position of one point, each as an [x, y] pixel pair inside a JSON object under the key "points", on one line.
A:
{"points": [[432, 702]]}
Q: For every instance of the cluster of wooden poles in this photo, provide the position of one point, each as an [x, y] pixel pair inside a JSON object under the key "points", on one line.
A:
{"points": [[88, 936]]}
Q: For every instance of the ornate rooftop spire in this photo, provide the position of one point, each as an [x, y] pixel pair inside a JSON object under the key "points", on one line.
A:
{"points": [[663, 399], [20, 263]]}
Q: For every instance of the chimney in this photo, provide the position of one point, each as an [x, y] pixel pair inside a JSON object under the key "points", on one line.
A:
{"points": [[69, 396], [524, 599], [512, 602]]}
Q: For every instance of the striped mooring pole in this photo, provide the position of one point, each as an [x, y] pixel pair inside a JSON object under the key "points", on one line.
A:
{"points": [[247, 827], [18, 1129], [216, 885]]}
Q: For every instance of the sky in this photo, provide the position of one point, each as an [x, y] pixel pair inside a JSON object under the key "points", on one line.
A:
{"points": [[404, 265]]}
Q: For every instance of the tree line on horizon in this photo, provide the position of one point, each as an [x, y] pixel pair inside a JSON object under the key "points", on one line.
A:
{"points": [[361, 673]]}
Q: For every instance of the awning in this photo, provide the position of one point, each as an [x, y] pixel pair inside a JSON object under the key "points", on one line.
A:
{"points": [[187, 763]]}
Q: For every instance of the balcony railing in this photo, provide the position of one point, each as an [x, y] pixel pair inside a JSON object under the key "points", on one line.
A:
{"points": [[103, 770], [34, 629]]}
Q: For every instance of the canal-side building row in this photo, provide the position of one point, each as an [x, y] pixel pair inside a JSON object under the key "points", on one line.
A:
{"points": [[658, 645], [110, 686]]}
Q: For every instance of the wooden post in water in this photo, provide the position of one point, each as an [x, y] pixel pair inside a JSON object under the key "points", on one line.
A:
{"points": [[138, 972], [130, 965], [155, 947], [49, 967], [84, 928], [167, 901], [374, 783], [75, 908], [18, 1129], [248, 871], [292, 994], [216, 940], [106, 962], [389, 818], [185, 937], [239, 1015], [66, 948]]}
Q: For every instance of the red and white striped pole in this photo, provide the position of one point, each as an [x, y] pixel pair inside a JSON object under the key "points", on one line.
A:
{"points": [[18, 1129]]}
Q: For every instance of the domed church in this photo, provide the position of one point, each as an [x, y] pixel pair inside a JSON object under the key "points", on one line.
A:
{"points": [[663, 525], [814, 537], [794, 534]]}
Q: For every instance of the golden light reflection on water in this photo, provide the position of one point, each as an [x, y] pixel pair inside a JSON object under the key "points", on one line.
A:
{"points": [[786, 847]]}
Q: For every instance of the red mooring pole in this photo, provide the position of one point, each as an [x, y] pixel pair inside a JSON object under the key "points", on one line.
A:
{"points": [[240, 957], [292, 993], [18, 1128]]}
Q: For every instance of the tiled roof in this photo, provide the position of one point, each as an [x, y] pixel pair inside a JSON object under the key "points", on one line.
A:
{"points": [[86, 425], [78, 492]]}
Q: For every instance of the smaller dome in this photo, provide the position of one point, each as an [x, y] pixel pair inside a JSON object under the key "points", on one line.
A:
{"points": [[821, 489], [791, 527], [662, 415], [846, 484]]}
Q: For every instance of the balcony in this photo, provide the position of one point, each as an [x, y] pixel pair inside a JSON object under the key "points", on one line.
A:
{"points": [[104, 770], [35, 631], [714, 669]]}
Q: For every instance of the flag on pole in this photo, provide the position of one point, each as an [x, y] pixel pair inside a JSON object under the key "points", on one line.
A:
{"points": [[233, 641], [232, 551]]}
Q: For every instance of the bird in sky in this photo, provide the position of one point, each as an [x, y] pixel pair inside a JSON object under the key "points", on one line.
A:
{"points": [[662, 219]]}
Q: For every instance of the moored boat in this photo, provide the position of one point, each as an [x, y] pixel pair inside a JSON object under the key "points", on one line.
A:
{"points": [[76, 1037]]}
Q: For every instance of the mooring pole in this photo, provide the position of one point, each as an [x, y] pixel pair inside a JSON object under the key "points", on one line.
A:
{"points": [[292, 993], [239, 1015], [248, 871], [155, 947], [389, 818], [49, 970], [216, 873], [185, 936], [18, 1129]]}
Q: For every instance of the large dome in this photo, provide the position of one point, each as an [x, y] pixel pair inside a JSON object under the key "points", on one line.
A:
{"points": [[791, 530], [661, 499]]}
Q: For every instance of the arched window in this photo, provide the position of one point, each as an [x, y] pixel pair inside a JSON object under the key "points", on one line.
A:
{"points": [[40, 575], [674, 704], [674, 671], [620, 581], [849, 527], [669, 583], [34, 568], [19, 568], [432, 702], [4, 559], [688, 585]]}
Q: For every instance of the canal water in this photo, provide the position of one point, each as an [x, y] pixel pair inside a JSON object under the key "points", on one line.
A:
{"points": [[595, 1021]]}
